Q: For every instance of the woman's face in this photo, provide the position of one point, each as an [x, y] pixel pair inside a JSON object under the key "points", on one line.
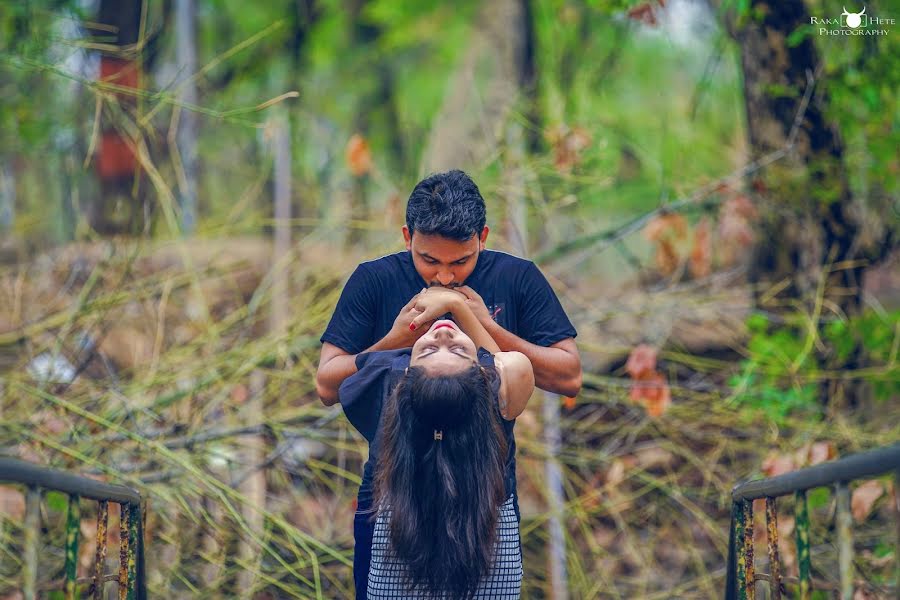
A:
{"points": [[444, 350]]}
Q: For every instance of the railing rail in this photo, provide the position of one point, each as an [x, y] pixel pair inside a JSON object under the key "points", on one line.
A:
{"points": [[741, 578], [131, 547]]}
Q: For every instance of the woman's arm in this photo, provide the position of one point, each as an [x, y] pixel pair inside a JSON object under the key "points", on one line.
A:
{"points": [[516, 382], [472, 327]]}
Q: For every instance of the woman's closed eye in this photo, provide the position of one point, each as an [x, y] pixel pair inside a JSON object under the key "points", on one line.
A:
{"points": [[429, 350]]}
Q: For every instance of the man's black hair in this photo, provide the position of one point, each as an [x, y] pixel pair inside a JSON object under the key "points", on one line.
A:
{"points": [[447, 204]]}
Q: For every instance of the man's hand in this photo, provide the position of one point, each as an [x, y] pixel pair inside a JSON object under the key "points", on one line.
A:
{"points": [[434, 302], [476, 304]]}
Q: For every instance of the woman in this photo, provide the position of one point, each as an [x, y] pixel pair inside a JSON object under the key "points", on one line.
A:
{"points": [[443, 454]]}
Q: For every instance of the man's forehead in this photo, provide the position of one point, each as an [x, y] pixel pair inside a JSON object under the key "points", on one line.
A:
{"points": [[438, 246]]}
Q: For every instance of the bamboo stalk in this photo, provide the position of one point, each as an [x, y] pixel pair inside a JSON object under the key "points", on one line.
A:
{"points": [[557, 557]]}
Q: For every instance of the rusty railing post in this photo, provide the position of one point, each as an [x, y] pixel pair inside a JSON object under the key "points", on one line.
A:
{"points": [[32, 539], [123, 551], [749, 570], [100, 555], [844, 523], [73, 529], [801, 516], [772, 545]]}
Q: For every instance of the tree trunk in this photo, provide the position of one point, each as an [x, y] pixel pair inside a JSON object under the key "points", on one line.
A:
{"points": [[186, 146], [120, 207], [812, 219], [482, 92], [7, 197], [810, 226]]}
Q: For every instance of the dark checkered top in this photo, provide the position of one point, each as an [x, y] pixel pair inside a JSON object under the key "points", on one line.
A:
{"points": [[387, 578]]}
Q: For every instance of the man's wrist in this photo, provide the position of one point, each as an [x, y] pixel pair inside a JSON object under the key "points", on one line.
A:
{"points": [[490, 325]]}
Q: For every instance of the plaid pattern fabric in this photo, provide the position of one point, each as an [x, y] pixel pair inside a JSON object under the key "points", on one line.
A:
{"points": [[387, 577]]}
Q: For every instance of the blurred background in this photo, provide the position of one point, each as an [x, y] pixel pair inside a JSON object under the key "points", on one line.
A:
{"points": [[710, 187]]}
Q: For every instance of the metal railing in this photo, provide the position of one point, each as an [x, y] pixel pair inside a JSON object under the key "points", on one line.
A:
{"points": [[131, 545], [742, 578]]}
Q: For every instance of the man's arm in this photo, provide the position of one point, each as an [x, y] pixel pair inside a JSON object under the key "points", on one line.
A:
{"points": [[336, 364], [557, 368]]}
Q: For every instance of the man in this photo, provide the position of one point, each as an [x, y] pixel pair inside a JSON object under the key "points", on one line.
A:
{"points": [[445, 236]]}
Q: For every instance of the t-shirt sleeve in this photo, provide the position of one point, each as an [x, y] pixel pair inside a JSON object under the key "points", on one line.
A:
{"points": [[362, 394], [353, 322], [542, 321]]}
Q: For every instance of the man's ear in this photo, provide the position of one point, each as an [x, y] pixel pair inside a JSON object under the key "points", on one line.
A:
{"points": [[407, 237], [483, 238]]}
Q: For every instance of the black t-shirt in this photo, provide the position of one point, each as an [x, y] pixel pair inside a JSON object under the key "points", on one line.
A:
{"points": [[513, 289]]}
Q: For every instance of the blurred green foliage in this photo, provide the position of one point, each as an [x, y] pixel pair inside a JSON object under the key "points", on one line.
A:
{"points": [[781, 377]]}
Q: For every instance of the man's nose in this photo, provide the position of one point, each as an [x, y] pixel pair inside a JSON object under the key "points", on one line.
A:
{"points": [[445, 277]]}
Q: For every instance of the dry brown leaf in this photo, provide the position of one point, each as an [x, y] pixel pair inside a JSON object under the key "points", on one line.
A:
{"points": [[358, 155], [700, 263], [568, 144], [641, 361], [666, 257], [661, 402], [820, 452], [644, 13], [239, 394], [735, 228], [12, 503], [776, 464], [666, 225], [864, 498], [653, 392]]}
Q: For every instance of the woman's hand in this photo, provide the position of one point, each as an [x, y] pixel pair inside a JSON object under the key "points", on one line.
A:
{"points": [[434, 302], [402, 334]]}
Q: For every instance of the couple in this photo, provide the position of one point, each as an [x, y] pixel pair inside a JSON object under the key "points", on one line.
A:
{"points": [[436, 398]]}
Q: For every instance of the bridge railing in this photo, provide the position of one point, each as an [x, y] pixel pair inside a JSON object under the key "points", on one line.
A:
{"points": [[37, 479], [741, 575]]}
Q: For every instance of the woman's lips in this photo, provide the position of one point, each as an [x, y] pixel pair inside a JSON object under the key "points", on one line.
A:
{"points": [[444, 323]]}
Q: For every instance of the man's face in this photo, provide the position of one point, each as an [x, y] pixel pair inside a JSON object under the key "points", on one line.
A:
{"points": [[444, 261]]}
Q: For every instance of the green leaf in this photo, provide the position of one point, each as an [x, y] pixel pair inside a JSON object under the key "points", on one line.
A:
{"points": [[818, 498], [797, 36], [57, 501]]}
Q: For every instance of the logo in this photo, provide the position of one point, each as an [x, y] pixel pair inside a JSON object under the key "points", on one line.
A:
{"points": [[854, 20], [495, 309], [852, 23]]}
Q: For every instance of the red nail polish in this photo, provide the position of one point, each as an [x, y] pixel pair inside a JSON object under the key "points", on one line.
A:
{"points": [[412, 326]]}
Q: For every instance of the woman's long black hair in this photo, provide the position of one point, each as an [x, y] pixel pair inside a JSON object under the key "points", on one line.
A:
{"points": [[444, 495]]}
